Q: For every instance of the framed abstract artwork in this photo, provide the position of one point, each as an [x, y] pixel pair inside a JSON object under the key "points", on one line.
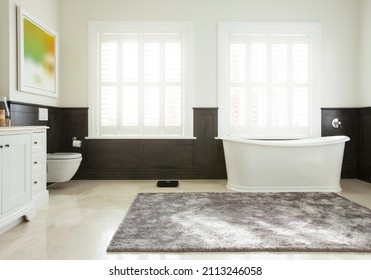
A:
{"points": [[37, 56]]}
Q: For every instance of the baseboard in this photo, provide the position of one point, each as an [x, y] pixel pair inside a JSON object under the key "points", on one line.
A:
{"points": [[16, 216]]}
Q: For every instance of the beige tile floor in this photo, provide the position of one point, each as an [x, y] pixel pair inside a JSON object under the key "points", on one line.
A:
{"points": [[82, 216]]}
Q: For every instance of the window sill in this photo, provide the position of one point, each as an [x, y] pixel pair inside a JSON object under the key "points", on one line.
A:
{"points": [[143, 137]]}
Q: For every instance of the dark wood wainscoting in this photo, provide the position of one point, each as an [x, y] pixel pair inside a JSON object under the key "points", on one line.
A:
{"points": [[364, 171], [137, 159], [200, 158], [28, 114], [63, 123], [350, 128], [356, 124]]}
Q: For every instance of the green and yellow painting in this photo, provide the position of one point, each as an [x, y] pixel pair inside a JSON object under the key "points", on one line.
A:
{"points": [[39, 57]]}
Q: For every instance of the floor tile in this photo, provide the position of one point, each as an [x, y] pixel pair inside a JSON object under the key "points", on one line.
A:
{"points": [[82, 216]]}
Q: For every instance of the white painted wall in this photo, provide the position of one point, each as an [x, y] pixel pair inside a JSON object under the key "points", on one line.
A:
{"points": [[340, 39], [47, 12], [345, 70], [365, 59], [4, 48]]}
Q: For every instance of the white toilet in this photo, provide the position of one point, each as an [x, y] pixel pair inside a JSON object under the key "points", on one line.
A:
{"points": [[62, 166]]}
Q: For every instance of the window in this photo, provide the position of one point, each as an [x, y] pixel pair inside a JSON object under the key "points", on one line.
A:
{"points": [[269, 79], [140, 79]]}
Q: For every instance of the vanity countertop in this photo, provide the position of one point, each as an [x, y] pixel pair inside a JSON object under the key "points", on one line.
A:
{"points": [[21, 128]]}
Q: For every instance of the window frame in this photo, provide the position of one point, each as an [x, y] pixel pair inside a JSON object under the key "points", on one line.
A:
{"points": [[311, 29], [97, 27]]}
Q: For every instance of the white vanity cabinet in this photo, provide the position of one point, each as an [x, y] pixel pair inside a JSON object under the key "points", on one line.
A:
{"points": [[22, 174]]}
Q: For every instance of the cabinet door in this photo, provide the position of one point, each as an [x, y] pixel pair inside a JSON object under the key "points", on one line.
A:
{"points": [[16, 170], [1, 175]]}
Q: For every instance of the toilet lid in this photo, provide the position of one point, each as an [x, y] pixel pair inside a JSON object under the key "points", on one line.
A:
{"points": [[64, 156]]}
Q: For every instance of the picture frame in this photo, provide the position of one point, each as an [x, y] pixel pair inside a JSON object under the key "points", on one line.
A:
{"points": [[37, 55]]}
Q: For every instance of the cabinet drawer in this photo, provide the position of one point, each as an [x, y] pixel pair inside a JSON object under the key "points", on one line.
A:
{"points": [[38, 182], [38, 161], [38, 141]]}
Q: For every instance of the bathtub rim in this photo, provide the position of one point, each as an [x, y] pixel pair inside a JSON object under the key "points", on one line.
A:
{"points": [[313, 141]]}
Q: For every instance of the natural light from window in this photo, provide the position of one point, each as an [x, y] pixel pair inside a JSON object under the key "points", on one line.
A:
{"points": [[142, 86], [268, 84]]}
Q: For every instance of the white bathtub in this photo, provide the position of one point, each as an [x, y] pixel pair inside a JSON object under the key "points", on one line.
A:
{"points": [[307, 165]]}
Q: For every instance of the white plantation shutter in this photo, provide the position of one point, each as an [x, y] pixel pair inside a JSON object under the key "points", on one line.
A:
{"points": [[173, 83], [130, 58], [141, 87], [268, 85], [108, 89], [130, 106]]}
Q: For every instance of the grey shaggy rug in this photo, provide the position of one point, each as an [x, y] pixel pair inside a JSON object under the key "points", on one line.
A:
{"points": [[200, 222]]}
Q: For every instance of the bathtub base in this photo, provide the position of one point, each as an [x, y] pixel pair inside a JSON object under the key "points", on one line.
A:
{"points": [[284, 188]]}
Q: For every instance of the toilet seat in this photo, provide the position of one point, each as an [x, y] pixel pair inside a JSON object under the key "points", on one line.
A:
{"points": [[63, 156]]}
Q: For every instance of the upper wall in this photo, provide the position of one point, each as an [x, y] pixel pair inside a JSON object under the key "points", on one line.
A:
{"points": [[365, 61], [340, 39], [4, 48], [47, 12]]}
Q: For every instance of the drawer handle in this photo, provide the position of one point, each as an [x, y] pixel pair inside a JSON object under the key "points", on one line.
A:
{"points": [[7, 146], [35, 142], [35, 162], [35, 183]]}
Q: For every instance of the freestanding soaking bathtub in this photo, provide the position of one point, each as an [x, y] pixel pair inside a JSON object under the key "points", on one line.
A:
{"points": [[306, 165]]}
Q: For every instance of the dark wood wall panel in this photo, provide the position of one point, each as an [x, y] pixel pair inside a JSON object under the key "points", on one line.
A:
{"points": [[74, 123], [208, 151], [55, 132], [28, 114], [365, 145], [167, 154], [205, 130], [349, 120], [128, 158], [111, 154], [198, 158], [24, 115]]}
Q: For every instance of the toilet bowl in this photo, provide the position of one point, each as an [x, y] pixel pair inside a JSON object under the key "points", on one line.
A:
{"points": [[62, 166]]}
